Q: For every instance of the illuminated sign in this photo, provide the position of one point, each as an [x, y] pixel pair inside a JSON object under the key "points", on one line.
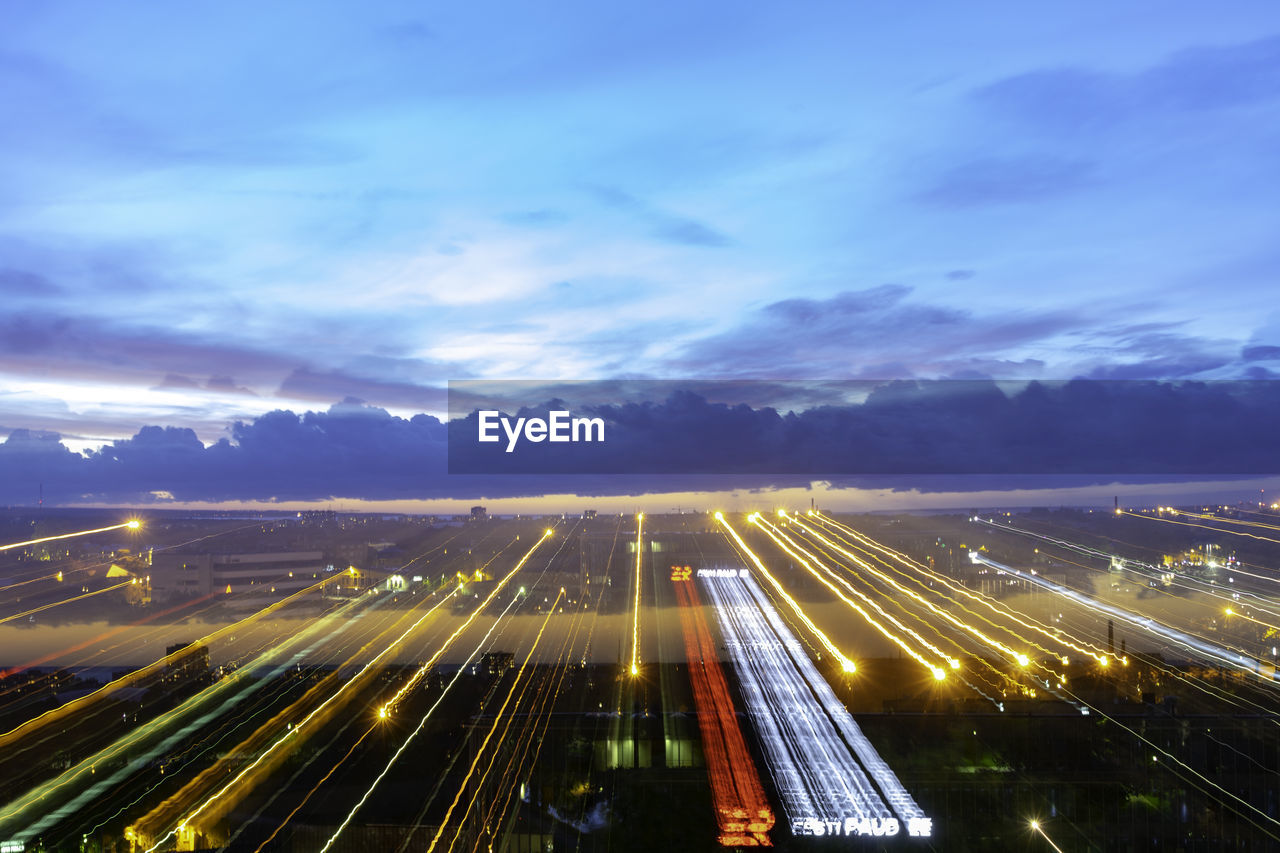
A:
{"points": [[722, 573], [918, 827], [681, 573]]}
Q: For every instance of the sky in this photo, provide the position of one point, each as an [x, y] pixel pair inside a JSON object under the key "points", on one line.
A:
{"points": [[213, 215]]}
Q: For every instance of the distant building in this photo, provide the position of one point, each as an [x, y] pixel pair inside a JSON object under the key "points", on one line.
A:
{"points": [[479, 513], [267, 577]]}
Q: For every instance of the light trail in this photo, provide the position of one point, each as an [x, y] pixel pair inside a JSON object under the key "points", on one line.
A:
{"points": [[132, 524], [635, 605], [845, 662], [778, 537], [423, 722], [1140, 567], [185, 825], [497, 720], [993, 605], [388, 707], [1259, 524], [1016, 656], [77, 705], [1190, 775], [1037, 828], [742, 809], [808, 736], [1193, 524], [151, 741], [534, 740], [1229, 657], [45, 607]]}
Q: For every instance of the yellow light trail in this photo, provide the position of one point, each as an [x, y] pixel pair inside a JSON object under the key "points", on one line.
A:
{"points": [[388, 707], [34, 610], [497, 718], [845, 663], [421, 724], [1019, 657], [1035, 827], [132, 524], [1193, 524], [1030, 624], [635, 606], [77, 705], [140, 735], [1220, 519], [539, 711], [1232, 612], [777, 536], [920, 575], [296, 730]]}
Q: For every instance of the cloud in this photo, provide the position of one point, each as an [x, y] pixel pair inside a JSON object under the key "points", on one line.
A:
{"points": [[877, 332], [1064, 433], [1193, 81], [331, 385], [1260, 353], [20, 283], [1011, 180]]}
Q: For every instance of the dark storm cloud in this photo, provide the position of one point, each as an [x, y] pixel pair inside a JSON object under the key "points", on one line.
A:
{"points": [[948, 427], [1095, 431]]}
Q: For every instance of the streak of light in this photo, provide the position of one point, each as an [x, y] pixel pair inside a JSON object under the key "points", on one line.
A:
{"points": [[742, 810], [845, 662], [44, 607], [1191, 775], [1239, 614], [77, 705], [1016, 656], [995, 606], [778, 537], [497, 719], [423, 722], [1037, 828], [1139, 567], [1193, 524], [390, 705], [1210, 650], [806, 732], [132, 524], [294, 732], [149, 742], [314, 788], [1221, 520], [635, 605]]}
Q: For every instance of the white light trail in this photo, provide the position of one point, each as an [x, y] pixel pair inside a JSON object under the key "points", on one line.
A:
{"points": [[809, 739], [1226, 656]]}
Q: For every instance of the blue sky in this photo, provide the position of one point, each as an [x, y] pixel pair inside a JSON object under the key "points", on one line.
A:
{"points": [[243, 207]]}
